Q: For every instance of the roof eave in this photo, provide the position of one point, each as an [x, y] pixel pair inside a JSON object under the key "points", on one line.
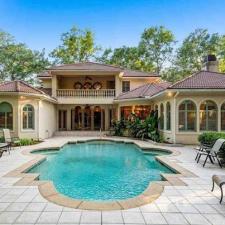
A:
{"points": [[129, 99], [46, 97], [197, 89]]}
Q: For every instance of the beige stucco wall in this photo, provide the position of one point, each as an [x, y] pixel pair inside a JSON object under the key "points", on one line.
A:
{"points": [[47, 83], [44, 117], [47, 119]]}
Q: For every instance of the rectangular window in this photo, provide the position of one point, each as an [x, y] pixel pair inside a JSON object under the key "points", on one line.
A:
{"points": [[125, 86]]}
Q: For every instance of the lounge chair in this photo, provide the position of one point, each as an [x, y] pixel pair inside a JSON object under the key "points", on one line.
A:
{"points": [[220, 181], [10, 140], [212, 153]]}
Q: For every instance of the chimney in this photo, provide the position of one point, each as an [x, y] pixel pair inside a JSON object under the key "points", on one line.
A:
{"points": [[211, 63]]}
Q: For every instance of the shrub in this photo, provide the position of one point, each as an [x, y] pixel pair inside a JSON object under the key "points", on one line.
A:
{"points": [[2, 139], [26, 141], [138, 128], [119, 127], [210, 137]]}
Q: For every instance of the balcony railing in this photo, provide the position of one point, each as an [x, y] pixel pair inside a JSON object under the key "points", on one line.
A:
{"points": [[86, 93]]}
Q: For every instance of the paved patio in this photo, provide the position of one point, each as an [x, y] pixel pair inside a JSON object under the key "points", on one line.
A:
{"points": [[192, 204]]}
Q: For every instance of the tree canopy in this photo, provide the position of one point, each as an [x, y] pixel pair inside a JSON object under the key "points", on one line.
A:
{"points": [[157, 51], [18, 62], [77, 46], [156, 46]]}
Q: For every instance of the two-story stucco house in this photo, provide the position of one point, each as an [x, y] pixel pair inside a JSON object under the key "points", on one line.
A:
{"points": [[89, 96]]}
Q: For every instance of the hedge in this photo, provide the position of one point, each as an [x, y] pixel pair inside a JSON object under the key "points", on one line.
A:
{"points": [[210, 137]]}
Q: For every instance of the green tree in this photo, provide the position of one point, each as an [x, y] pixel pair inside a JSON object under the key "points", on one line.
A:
{"points": [[198, 44], [221, 53], [77, 46], [18, 62], [126, 57], [156, 46]]}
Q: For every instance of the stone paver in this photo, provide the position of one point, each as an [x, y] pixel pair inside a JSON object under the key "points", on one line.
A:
{"points": [[193, 204]]}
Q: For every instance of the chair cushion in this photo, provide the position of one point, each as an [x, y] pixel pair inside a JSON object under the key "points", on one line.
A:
{"points": [[219, 179]]}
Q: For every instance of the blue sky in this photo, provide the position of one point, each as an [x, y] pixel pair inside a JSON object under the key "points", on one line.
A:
{"points": [[39, 23]]}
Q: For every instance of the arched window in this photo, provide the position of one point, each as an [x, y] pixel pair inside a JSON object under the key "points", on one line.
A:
{"points": [[161, 116], [168, 116], [208, 116], [6, 116], [223, 117], [187, 116], [28, 117]]}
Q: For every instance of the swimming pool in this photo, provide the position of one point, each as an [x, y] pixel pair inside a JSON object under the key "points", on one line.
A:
{"points": [[100, 170]]}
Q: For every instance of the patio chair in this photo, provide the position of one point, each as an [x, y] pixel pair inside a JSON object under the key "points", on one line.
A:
{"points": [[220, 181], [202, 148], [4, 147], [10, 140], [212, 153]]}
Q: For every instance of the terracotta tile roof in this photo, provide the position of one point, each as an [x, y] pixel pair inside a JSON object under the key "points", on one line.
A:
{"points": [[91, 66], [144, 91], [19, 86], [201, 80], [44, 74], [136, 73], [47, 91]]}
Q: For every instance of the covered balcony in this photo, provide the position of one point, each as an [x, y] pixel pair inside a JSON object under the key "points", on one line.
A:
{"points": [[79, 89]]}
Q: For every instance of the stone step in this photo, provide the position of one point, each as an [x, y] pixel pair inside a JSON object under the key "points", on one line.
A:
{"points": [[80, 133]]}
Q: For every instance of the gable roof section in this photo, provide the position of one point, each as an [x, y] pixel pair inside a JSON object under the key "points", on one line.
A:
{"points": [[147, 90], [201, 80], [19, 86], [92, 66], [87, 66]]}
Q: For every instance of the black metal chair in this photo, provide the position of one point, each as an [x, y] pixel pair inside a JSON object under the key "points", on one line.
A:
{"points": [[212, 153]]}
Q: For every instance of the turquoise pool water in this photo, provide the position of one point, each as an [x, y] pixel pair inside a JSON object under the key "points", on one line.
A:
{"points": [[100, 170]]}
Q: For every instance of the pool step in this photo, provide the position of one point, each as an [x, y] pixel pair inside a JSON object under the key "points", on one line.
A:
{"points": [[80, 133]]}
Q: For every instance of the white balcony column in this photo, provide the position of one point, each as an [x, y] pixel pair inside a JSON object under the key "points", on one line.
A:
{"points": [[54, 85], [219, 119], [106, 118], [118, 84], [198, 119], [92, 118]]}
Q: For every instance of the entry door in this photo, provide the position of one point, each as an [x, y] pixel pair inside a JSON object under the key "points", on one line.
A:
{"points": [[62, 119]]}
